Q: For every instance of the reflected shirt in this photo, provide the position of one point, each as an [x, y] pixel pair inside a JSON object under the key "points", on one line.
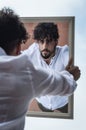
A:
{"points": [[57, 63]]}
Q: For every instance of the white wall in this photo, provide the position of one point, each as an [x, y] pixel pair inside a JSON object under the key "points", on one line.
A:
{"points": [[60, 8]]}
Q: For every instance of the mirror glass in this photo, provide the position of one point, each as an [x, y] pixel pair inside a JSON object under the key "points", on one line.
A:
{"points": [[66, 32]]}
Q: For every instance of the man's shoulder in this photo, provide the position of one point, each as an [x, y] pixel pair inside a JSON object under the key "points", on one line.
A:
{"points": [[62, 47], [33, 46], [11, 63], [32, 49]]}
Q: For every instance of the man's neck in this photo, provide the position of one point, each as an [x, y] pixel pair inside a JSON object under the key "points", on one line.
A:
{"points": [[48, 60]]}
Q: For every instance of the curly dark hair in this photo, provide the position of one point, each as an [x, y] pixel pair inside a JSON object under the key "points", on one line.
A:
{"points": [[46, 30], [12, 30]]}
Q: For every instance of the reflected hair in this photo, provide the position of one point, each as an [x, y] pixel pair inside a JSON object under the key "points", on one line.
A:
{"points": [[47, 31]]}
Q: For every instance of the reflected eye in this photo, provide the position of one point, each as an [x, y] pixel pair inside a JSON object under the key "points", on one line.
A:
{"points": [[48, 41], [41, 41]]}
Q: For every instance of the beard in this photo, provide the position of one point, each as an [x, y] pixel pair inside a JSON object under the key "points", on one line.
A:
{"points": [[46, 54]]}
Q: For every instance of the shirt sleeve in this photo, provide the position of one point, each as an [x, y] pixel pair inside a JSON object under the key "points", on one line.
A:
{"points": [[50, 82]]}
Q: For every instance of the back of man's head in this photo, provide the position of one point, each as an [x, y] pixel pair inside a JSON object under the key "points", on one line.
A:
{"points": [[12, 30]]}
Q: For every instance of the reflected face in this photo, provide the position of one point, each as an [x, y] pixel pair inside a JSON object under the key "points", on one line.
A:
{"points": [[47, 48]]}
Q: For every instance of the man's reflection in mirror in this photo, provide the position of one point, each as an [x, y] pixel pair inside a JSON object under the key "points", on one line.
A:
{"points": [[46, 52]]}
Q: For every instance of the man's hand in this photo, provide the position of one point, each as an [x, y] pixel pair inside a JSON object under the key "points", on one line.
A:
{"points": [[74, 70]]}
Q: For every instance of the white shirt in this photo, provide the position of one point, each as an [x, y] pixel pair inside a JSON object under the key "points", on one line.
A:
{"points": [[57, 63], [20, 81]]}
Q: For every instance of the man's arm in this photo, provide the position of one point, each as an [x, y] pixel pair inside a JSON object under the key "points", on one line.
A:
{"points": [[47, 81]]}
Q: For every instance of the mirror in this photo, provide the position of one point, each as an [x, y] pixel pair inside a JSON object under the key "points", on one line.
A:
{"points": [[66, 32]]}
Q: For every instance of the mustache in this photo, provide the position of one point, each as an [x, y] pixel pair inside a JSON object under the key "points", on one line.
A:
{"points": [[45, 50]]}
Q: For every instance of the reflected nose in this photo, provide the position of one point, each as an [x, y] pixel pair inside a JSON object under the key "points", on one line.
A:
{"points": [[45, 45]]}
